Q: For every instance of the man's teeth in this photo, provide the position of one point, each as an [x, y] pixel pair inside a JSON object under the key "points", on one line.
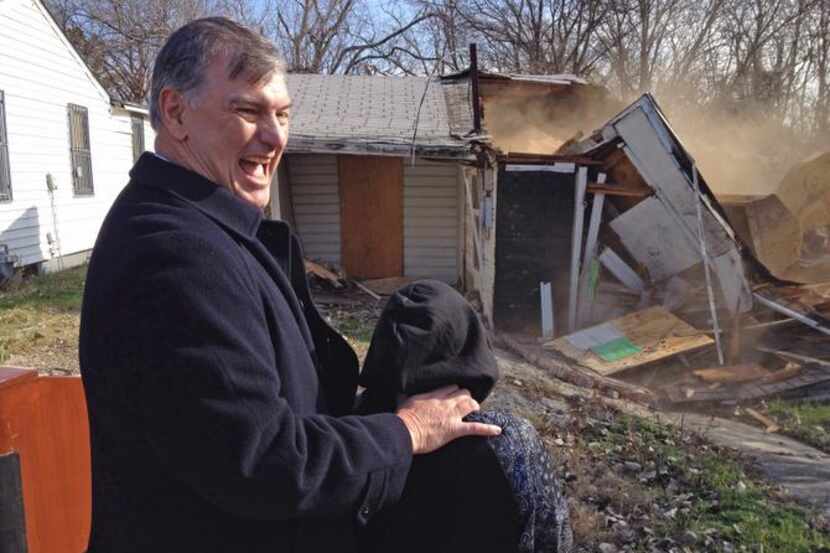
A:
{"points": [[253, 168]]}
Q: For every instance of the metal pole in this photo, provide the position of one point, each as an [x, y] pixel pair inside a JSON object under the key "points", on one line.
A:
{"points": [[703, 253], [474, 82], [576, 243]]}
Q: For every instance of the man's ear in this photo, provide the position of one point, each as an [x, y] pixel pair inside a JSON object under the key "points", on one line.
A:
{"points": [[172, 105]]}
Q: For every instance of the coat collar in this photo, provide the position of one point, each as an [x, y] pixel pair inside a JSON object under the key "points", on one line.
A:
{"points": [[215, 201]]}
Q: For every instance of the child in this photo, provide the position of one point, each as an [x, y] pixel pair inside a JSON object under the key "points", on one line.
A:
{"points": [[475, 494]]}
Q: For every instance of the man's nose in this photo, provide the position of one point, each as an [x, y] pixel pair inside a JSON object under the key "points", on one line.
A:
{"points": [[274, 133]]}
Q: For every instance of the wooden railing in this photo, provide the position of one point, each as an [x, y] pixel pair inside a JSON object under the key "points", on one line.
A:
{"points": [[43, 419]]}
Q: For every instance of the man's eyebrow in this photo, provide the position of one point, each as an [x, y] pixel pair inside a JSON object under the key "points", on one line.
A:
{"points": [[243, 99], [250, 100]]}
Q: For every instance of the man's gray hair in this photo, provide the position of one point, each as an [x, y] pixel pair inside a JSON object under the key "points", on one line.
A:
{"points": [[182, 61]]}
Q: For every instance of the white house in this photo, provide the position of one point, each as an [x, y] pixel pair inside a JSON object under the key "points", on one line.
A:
{"points": [[58, 128]]}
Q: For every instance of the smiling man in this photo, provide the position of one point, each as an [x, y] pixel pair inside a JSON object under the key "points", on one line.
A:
{"points": [[220, 402]]}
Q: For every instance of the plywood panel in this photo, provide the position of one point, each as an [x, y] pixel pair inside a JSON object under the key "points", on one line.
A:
{"points": [[371, 194], [44, 419], [656, 332]]}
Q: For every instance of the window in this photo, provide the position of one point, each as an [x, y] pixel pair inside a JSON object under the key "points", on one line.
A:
{"points": [[138, 136], [5, 171], [79, 150]]}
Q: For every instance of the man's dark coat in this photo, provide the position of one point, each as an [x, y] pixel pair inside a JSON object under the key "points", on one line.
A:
{"points": [[218, 397]]}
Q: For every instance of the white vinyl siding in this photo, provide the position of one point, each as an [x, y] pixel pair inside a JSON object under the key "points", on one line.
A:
{"points": [[315, 198], [431, 215], [41, 75]]}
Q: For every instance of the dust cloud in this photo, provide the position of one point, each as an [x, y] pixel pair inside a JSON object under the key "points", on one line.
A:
{"points": [[542, 123], [743, 152], [741, 149]]}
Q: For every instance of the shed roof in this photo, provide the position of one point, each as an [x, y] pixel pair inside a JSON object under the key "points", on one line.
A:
{"points": [[371, 113]]}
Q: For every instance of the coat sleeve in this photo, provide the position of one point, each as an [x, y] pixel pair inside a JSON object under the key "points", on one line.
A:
{"points": [[209, 400]]}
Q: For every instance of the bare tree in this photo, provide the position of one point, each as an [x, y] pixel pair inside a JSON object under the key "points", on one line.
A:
{"points": [[119, 38], [542, 36], [334, 36]]}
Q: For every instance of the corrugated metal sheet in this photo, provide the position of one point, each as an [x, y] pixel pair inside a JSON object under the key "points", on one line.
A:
{"points": [[316, 201], [430, 200]]}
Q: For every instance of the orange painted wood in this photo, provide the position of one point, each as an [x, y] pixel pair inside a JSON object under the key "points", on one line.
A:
{"points": [[44, 420], [371, 215]]}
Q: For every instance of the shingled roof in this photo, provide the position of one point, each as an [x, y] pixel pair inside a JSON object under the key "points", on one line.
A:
{"points": [[371, 114]]}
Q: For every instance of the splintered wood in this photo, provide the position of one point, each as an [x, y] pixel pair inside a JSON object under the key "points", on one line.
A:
{"points": [[745, 372], [769, 424], [387, 286], [321, 272], [630, 341]]}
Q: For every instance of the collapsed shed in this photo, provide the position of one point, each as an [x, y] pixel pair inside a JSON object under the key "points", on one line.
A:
{"points": [[611, 249]]}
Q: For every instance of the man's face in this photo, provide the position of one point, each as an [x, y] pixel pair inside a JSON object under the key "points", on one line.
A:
{"points": [[237, 131]]}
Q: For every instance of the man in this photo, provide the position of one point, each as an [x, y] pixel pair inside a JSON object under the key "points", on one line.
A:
{"points": [[218, 398]]}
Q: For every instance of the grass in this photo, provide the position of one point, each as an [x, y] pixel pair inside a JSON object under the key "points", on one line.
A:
{"points": [[704, 494], [39, 319], [646, 486], [805, 421], [356, 325]]}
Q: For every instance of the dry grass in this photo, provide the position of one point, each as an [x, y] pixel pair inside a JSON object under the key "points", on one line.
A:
{"points": [[39, 321]]}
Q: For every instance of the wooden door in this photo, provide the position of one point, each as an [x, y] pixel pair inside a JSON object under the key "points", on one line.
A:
{"points": [[371, 215]]}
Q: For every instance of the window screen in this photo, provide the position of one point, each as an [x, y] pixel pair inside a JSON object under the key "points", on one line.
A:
{"points": [[79, 150], [5, 171]]}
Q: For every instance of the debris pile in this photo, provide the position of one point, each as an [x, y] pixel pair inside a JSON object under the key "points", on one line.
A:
{"points": [[666, 293]]}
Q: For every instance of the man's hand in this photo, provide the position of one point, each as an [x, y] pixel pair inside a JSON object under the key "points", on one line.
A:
{"points": [[434, 419]]}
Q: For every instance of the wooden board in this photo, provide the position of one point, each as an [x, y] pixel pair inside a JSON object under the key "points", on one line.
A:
{"points": [[793, 387], [744, 372], [44, 420], [387, 286], [371, 211], [657, 333]]}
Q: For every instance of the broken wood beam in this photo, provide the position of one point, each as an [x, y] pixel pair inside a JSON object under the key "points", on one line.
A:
{"points": [[788, 372], [795, 356], [770, 425], [321, 272], [573, 374], [611, 190], [365, 289], [756, 326], [744, 372]]}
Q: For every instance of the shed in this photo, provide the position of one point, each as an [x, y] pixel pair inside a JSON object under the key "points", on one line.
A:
{"points": [[372, 177]]}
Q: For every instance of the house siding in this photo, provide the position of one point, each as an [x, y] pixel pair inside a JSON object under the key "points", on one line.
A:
{"points": [[431, 213], [315, 198], [41, 75], [431, 220]]}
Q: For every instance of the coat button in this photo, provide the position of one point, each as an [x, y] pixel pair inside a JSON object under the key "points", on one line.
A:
{"points": [[365, 511]]}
